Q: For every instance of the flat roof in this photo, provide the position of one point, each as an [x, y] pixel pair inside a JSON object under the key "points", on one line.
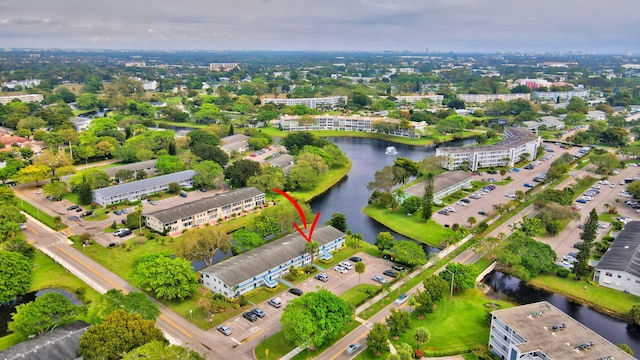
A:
{"points": [[440, 182], [204, 204], [245, 266], [534, 322], [126, 188]]}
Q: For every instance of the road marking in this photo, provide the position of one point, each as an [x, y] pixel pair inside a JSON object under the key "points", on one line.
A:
{"points": [[237, 324], [29, 229], [116, 286], [254, 329], [467, 258], [361, 350], [176, 326], [236, 341]]}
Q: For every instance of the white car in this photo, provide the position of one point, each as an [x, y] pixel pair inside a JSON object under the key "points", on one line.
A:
{"points": [[340, 269], [346, 265], [613, 186], [461, 203], [510, 195]]}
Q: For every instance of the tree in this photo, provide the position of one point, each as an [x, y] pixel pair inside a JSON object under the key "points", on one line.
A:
{"points": [[20, 246], [168, 164], [588, 236], [526, 257], [503, 172], [409, 252], [119, 332], [486, 245], [45, 313], [202, 244], [124, 175], [360, 269], [85, 195], [32, 173], [436, 286], [133, 302], [384, 180], [471, 220], [626, 348], [530, 225], [245, 240], [208, 174], [634, 313], [385, 241], [634, 189], [427, 198], [240, 171], [53, 161], [421, 335], [55, 189], [303, 176], [315, 318], [160, 350], [338, 221], [15, 276], [270, 177], [168, 278], [463, 277], [398, 322], [424, 302], [412, 204], [211, 152], [311, 247], [378, 338]]}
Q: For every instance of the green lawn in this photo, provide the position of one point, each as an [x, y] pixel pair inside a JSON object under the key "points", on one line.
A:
{"points": [[601, 298], [327, 181], [358, 294], [410, 226], [455, 326]]}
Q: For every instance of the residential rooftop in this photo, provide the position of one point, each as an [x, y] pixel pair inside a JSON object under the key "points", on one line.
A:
{"points": [[58, 344], [624, 253], [161, 180], [440, 182]]}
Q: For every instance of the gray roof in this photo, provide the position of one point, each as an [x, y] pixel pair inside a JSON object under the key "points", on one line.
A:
{"points": [[624, 253], [202, 205], [145, 183], [234, 138], [440, 182], [551, 121], [514, 137], [58, 344], [245, 266], [281, 160], [133, 167]]}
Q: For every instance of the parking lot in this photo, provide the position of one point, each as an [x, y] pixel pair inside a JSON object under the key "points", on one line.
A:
{"points": [[497, 196], [243, 329]]}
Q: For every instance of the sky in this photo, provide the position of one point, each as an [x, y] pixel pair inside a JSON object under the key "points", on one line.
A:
{"points": [[596, 26]]}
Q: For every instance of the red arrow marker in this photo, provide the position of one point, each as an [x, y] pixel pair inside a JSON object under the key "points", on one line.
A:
{"points": [[302, 216]]}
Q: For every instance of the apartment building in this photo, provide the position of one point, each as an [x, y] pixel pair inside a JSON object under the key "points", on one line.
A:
{"points": [[351, 123], [330, 102], [264, 265], [540, 331], [483, 98], [412, 99], [4, 100], [619, 268], [135, 190], [561, 95], [507, 152]]}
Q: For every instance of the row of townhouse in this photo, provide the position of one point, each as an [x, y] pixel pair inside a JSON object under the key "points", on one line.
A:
{"points": [[483, 98], [265, 265], [351, 123], [412, 99], [561, 95], [4, 100], [507, 152], [330, 102], [136, 190], [147, 166], [207, 210]]}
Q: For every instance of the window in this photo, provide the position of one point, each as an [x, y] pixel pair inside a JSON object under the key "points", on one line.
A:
{"points": [[608, 274]]}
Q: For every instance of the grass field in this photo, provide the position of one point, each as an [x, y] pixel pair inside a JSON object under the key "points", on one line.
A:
{"points": [[327, 181], [410, 226], [41, 216]]}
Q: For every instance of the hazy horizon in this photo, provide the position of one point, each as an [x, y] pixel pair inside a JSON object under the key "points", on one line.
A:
{"points": [[460, 26]]}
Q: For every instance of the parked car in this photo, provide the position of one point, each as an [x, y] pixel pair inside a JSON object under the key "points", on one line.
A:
{"points": [[380, 279], [296, 291], [346, 265], [402, 299], [117, 212], [125, 211], [322, 277], [340, 269], [119, 231], [528, 185], [397, 267], [153, 202], [259, 313], [73, 207], [355, 259], [581, 201], [183, 194], [224, 329], [483, 213], [352, 349], [276, 303], [124, 233], [390, 273], [249, 316]]}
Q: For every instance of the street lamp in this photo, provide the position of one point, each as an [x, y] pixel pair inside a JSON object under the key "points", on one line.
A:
{"points": [[452, 275]]}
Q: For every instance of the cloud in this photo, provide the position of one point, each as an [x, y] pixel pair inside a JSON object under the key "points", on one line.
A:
{"points": [[447, 25]]}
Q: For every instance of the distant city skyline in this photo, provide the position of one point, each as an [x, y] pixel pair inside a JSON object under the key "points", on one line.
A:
{"points": [[587, 26]]}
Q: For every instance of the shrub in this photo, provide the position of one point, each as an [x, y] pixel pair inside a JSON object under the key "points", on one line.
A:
{"points": [[562, 272], [419, 354]]}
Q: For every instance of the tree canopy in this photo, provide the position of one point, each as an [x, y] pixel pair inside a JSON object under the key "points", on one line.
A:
{"points": [[45, 313], [168, 278], [15, 276], [133, 302]]}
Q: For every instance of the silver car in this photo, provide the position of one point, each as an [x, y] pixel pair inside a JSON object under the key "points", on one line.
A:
{"points": [[352, 349]]}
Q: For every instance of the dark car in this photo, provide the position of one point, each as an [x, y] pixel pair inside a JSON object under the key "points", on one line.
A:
{"points": [[124, 233], [79, 210], [390, 273], [183, 194], [355, 258], [73, 207], [118, 212], [388, 257], [492, 172], [259, 313], [250, 316], [296, 291], [203, 189], [484, 213]]}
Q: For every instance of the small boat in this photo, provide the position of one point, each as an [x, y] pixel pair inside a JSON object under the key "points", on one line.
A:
{"points": [[391, 150]]}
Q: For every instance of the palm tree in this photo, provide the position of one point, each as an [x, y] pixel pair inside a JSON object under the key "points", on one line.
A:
{"points": [[311, 247], [57, 221], [471, 220], [360, 268]]}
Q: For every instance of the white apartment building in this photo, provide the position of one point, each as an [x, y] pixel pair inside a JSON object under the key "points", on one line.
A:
{"points": [[562, 95], [483, 98], [23, 83], [204, 211], [349, 123], [240, 274], [135, 190], [507, 152], [4, 100], [223, 66], [412, 99], [540, 331], [330, 102]]}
